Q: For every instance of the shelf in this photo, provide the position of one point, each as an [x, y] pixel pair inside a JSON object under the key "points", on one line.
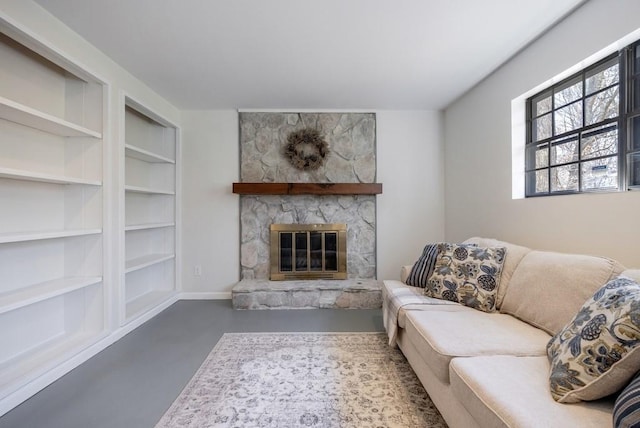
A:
{"points": [[146, 301], [307, 188], [16, 174], [148, 191], [146, 261], [145, 155], [6, 238], [27, 116], [45, 290], [46, 355], [148, 226]]}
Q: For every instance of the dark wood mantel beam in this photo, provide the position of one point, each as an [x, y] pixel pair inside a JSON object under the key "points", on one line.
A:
{"points": [[307, 188]]}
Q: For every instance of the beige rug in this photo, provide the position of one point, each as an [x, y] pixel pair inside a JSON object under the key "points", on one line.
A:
{"points": [[303, 380]]}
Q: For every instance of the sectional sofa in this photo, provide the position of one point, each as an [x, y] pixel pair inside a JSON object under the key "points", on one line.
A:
{"points": [[490, 368]]}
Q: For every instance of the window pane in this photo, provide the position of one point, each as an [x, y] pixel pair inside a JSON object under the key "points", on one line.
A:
{"points": [[537, 156], [603, 105], [542, 104], [542, 127], [601, 78], [564, 151], [568, 118], [636, 93], [635, 133], [538, 182], [635, 170], [600, 174], [568, 93], [564, 178], [600, 142], [636, 67], [542, 156]]}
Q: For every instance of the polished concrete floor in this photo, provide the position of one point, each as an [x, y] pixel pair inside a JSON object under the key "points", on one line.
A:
{"points": [[133, 382]]}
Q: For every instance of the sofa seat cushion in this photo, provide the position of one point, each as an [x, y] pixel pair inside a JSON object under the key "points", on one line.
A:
{"points": [[391, 288], [440, 336], [508, 391]]}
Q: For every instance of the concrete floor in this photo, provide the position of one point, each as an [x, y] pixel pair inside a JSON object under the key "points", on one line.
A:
{"points": [[134, 381]]}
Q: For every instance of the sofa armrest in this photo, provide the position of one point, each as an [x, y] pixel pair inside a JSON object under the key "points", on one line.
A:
{"points": [[404, 273]]}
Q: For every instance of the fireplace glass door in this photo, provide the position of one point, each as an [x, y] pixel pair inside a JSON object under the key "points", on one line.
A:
{"points": [[308, 251]]}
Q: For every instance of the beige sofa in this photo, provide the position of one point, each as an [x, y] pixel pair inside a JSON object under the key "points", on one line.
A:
{"points": [[491, 369]]}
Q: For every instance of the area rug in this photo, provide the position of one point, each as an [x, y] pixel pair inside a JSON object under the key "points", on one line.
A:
{"points": [[303, 380]]}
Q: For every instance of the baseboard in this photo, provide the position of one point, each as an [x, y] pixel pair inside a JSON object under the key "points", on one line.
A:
{"points": [[206, 295]]}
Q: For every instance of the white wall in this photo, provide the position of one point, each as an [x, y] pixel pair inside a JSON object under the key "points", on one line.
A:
{"points": [[478, 151], [411, 170], [210, 212], [410, 210]]}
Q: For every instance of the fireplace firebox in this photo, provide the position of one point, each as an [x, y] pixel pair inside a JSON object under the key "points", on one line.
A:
{"points": [[308, 251]]}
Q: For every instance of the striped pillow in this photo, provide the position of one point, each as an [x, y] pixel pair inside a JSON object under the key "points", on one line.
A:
{"points": [[423, 268], [626, 410]]}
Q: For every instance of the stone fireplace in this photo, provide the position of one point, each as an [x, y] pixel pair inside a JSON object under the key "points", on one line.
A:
{"points": [[350, 161]]}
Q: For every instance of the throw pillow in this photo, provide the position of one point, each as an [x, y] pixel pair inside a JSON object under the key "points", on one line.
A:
{"points": [[422, 269], [626, 409], [467, 274], [597, 352]]}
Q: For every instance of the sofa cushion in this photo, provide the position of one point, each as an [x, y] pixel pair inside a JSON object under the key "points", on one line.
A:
{"points": [[401, 298], [633, 274], [440, 336], [558, 284], [508, 391], [423, 267], [597, 352], [514, 255], [467, 274]]}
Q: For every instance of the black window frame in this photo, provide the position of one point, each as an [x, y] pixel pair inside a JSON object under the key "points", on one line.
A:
{"points": [[627, 123]]}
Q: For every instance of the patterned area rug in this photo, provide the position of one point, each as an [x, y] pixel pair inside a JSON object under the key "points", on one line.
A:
{"points": [[303, 380]]}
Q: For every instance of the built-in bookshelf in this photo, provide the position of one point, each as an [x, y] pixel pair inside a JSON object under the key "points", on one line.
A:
{"points": [[150, 209], [52, 292]]}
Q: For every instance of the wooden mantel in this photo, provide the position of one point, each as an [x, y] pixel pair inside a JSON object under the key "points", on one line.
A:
{"points": [[307, 188]]}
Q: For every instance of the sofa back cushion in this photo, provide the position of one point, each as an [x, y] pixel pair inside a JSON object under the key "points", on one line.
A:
{"points": [[547, 289], [633, 274], [513, 256]]}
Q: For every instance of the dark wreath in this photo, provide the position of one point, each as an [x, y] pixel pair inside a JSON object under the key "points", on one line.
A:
{"points": [[306, 149]]}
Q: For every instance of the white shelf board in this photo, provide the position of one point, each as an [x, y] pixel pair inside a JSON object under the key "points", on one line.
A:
{"points": [[146, 261], [146, 301], [27, 116], [149, 191], [35, 361], [148, 226], [43, 291], [6, 238], [145, 155], [16, 174]]}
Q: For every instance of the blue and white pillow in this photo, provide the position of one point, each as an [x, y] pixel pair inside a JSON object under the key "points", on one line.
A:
{"points": [[626, 410], [423, 268]]}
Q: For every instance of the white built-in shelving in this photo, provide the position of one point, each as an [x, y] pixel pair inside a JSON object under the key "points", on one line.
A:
{"points": [[52, 292], [150, 213]]}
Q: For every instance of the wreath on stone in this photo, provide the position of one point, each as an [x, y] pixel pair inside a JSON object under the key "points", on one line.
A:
{"points": [[306, 149]]}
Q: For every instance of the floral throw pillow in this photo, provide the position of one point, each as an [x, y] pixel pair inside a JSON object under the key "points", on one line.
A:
{"points": [[597, 352], [468, 275]]}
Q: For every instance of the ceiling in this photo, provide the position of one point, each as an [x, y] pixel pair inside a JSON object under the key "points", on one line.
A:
{"points": [[310, 54]]}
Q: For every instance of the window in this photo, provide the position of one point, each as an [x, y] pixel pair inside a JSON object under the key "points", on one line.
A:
{"points": [[583, 134]]}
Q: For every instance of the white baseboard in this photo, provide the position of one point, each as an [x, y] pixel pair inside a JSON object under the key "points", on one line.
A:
{"points": [[206, 295]]}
